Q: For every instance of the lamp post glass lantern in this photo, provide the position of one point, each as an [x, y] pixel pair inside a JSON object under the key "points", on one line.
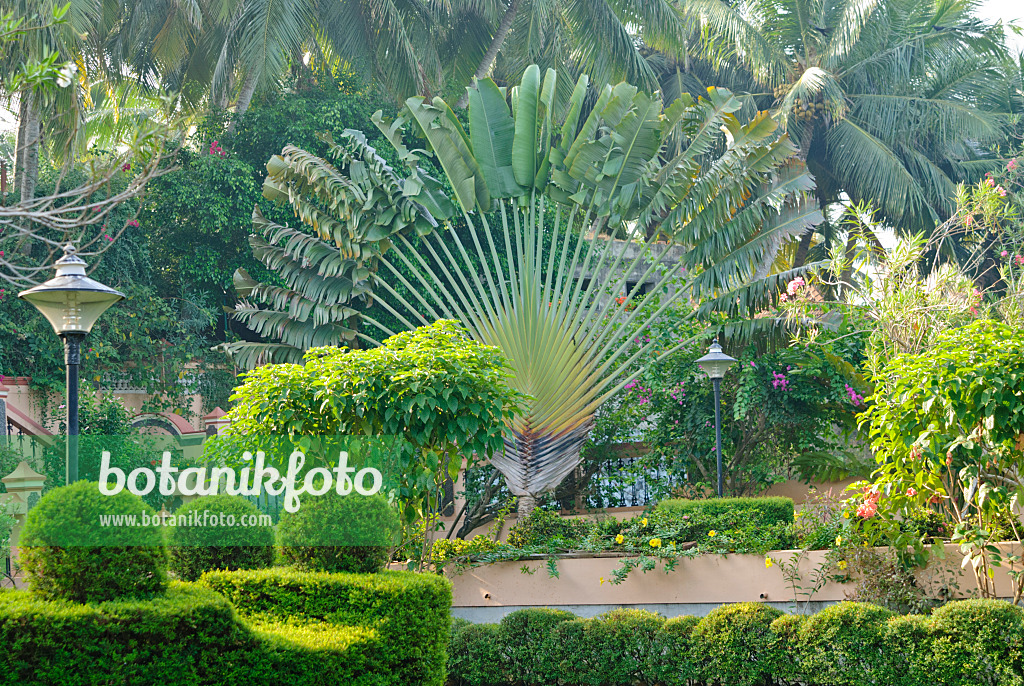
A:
{"points": [[715, 364], [71, 302]]}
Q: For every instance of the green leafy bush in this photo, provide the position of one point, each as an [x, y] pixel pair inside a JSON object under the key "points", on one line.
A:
{"points": [[978, 642], [445, 549], [474, 656], [737, 644], [543, 527], [844, 642], [529, 646], [618, 647], [192, 636], [68, 554], [678, 664], [183, 638], [723, 513], [196, 549], [409, 613], [339, 534], [850, 644]]}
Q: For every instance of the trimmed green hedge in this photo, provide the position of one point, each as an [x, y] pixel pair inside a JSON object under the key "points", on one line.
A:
{"points": [[750, 644], [410, 612], [725, 513], [363, 630]]}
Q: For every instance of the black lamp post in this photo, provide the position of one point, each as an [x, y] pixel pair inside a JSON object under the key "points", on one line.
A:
{"points": [[71, 302], [715, 364]]}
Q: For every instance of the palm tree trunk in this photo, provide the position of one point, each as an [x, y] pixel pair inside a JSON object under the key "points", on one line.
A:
{"points": [[525, 506], [492, 52], [244, 99], [802, 249], [847, 275], [26, 172]]}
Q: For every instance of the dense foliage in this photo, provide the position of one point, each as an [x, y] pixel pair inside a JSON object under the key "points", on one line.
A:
{"points": [[946, 427], [444, 394], [381, 630], [852, 644], [69, 553], [229, 537], [408, 613], [352, 533], [671, 531]]}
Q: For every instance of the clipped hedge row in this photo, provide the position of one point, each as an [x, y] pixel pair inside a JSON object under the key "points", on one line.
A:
{"points": [[364, 630], [849, 644], [725, 513], [409, 612]]}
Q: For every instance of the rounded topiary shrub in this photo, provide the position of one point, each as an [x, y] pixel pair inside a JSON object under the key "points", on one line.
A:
{"points": [[737, 645], [81, 545], [219, 532], [844, 642], [332, 533], [979, 641]]}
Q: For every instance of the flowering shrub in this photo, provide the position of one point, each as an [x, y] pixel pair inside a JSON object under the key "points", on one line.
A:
{"points": [[948, 432]]}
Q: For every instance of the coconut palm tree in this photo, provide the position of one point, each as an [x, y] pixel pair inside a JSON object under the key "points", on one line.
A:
{"points": [[551, 186], [889, 101], [602, 38]]}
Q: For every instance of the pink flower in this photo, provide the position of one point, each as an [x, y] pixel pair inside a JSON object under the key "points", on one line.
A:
{"points": [[990, 182], [127, 166], [1, 253], [795, 285], [1001, 191], [133, 222], [107, 236], [1019, 259], [867, 510], [1003, 254], [1011, 165], [911, 492]]}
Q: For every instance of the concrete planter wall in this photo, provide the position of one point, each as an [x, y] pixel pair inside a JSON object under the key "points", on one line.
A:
{"points": [[695, 587]]}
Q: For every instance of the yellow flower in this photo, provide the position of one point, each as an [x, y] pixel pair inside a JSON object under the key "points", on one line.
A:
{"points": [[767, 563], [798, 515], [602, 579], [712, 533], [846, 514], [643, 522], [865, 544], [839, 540], [655, 542], [841, 564], [619, 539]]}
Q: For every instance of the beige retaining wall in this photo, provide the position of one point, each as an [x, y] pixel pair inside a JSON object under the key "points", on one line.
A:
{"points": [[709, 579]]}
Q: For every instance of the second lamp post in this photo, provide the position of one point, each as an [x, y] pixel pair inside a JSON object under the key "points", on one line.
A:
{"points": [[71, 302], [716, 364]]}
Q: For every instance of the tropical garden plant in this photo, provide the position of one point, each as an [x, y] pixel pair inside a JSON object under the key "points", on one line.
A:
{"points": [[891, 102], [947, 431], [553, 186], [440, 395]]}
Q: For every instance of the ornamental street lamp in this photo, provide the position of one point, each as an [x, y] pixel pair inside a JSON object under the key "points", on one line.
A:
{"points": [[71, 302], [715, 364]]}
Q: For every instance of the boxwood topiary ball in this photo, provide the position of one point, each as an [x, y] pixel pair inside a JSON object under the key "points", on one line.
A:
{"points": [[334, 533], [219, 532], [81, 545]]}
